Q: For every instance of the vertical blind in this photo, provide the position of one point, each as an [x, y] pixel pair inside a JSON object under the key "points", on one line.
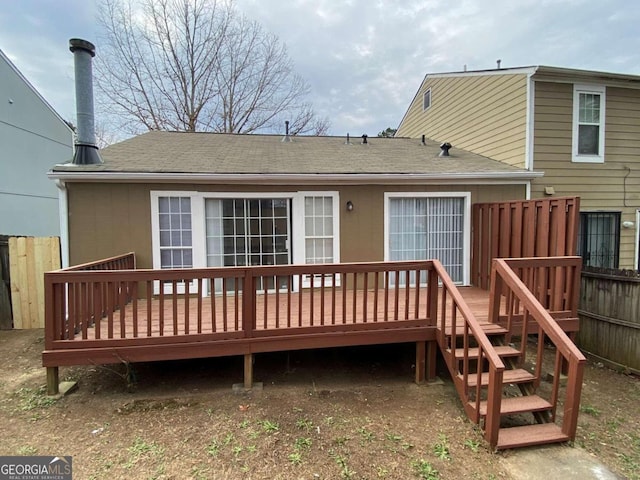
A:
{"points": [[425, 228]]}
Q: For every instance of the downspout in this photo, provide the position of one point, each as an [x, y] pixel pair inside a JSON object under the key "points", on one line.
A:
{"points": [[63, 207], [529, 128]]}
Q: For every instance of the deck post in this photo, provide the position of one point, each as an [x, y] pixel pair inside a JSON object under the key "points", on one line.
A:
{"points": [[432, 351], [52, 381], [420, 362], [248, 370]]}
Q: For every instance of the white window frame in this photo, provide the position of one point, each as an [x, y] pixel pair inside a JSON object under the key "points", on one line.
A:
{"points": [[595, 90], [197, 230], [424, 96], [466, 196], [299, 249], [296, 234]]}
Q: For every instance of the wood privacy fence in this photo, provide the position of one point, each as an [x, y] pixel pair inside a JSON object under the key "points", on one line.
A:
{"points": [[29, 259], [610, 316], [545, 227]]}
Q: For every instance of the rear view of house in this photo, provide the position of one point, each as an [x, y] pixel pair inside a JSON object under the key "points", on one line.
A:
{"points": [[259, 243], [581, 128]]}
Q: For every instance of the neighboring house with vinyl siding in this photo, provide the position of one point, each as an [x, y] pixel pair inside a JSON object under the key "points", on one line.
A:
{"points": [[581, 128], [33, 138]]}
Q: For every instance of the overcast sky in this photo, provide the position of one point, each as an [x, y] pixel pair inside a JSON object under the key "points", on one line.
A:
{"points": [[364, 59]]}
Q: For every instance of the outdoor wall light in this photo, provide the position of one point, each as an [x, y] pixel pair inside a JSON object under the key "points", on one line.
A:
{"points": [[349, 206], [627, 224]]}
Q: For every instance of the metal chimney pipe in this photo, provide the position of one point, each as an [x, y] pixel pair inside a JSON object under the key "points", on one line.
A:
{"points": [[286, 137], [86, 150]]}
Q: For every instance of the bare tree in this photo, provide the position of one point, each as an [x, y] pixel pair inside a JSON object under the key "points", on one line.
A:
{"points": [[197, 65]]}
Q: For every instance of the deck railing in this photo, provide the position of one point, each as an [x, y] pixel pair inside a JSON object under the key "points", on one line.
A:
{"points": [[457, 324], [553, 281], [117, 302], [86, 301], [125, 261], [529, 287]]}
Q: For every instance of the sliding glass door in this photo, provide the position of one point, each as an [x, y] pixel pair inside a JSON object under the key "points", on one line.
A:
{"points": [[248, 231], [219, 229], [424, 228]]}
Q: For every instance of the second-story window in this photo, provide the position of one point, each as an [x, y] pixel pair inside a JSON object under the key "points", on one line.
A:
{"points": [[588, 123], [426, 100]]}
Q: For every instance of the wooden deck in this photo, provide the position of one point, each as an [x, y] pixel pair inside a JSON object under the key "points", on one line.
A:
{"points": [[120, 314], [110, 312]]}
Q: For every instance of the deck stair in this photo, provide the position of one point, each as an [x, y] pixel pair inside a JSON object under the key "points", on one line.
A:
{"points": [[497, 365], [525, 407]]}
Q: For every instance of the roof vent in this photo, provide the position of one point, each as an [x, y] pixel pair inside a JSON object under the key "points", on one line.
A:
{"points": [[286, 137], [444, 147], [364, 139], [348, 142], [86, 150], [423, 142], [498, 62]]}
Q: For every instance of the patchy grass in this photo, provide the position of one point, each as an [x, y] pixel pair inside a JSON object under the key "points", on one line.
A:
{"points": [[590, 410], [441, 447], [27, 450], [33, 398], [425, 470], [347, 421], [142, 450]]}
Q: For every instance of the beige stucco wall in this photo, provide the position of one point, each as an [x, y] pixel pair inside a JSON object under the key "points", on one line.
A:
{"points": [[483, 114], [110, 219], [613, 185]]}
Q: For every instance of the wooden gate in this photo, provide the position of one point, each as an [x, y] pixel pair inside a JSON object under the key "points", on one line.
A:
{"points": [[29, 259]]}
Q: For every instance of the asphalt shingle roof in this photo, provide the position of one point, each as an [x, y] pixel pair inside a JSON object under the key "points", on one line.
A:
{"points": [[212, 153]]}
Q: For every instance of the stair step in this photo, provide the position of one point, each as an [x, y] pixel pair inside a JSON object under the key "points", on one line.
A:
{"points": [[512, 405], [488, 328], [517, 375], [501, 350], [530, 435]]}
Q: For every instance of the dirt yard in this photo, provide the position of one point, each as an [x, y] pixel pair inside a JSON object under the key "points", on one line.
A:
{"points": [[343, 413]]}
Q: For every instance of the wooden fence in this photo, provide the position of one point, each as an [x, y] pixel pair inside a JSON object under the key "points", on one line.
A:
{"points": [[610, 316], [546, 227], [29, 259]]}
